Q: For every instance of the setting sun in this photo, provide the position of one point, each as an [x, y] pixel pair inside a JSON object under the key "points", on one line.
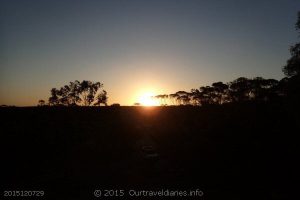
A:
{"points": [[147, 99]]}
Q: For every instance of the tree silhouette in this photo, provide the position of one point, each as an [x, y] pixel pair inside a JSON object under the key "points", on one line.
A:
{"points": [[165, 98], [262, 89], [41, 102], [162, 98], [182, 98], [240, 89], [74, 93], [220, 92], [195, 97], [101, 98], [206, 95], [159, 98], [85, 93], [53, 100], [173, 98], [292, 68]]}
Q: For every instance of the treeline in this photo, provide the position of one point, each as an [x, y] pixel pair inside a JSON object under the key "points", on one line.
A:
{"points": [[85, 93], [241, 89]]}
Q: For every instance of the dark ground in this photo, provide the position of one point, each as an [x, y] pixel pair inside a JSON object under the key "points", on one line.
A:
{"points": [[244, 151]]}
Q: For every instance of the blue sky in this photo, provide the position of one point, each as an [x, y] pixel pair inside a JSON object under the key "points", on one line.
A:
{"points": [[138, 46]]}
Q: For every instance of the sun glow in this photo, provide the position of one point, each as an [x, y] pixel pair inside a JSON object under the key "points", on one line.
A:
{"points": [[148, 99]]}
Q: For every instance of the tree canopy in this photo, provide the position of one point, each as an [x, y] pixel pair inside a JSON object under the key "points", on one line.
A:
{"points": [[85, 93], [292, 68], [241, 89]]}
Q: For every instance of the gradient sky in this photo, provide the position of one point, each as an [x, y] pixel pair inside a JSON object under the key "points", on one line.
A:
{"points": [[135, 46]]}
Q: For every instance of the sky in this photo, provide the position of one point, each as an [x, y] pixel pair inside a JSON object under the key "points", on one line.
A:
{"points": [[139, 46]]}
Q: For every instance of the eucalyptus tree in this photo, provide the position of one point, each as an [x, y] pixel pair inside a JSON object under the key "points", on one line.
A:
{"points": [[220, 92], [292, 67], [85, 93], [101, 98], [240, 89]]}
